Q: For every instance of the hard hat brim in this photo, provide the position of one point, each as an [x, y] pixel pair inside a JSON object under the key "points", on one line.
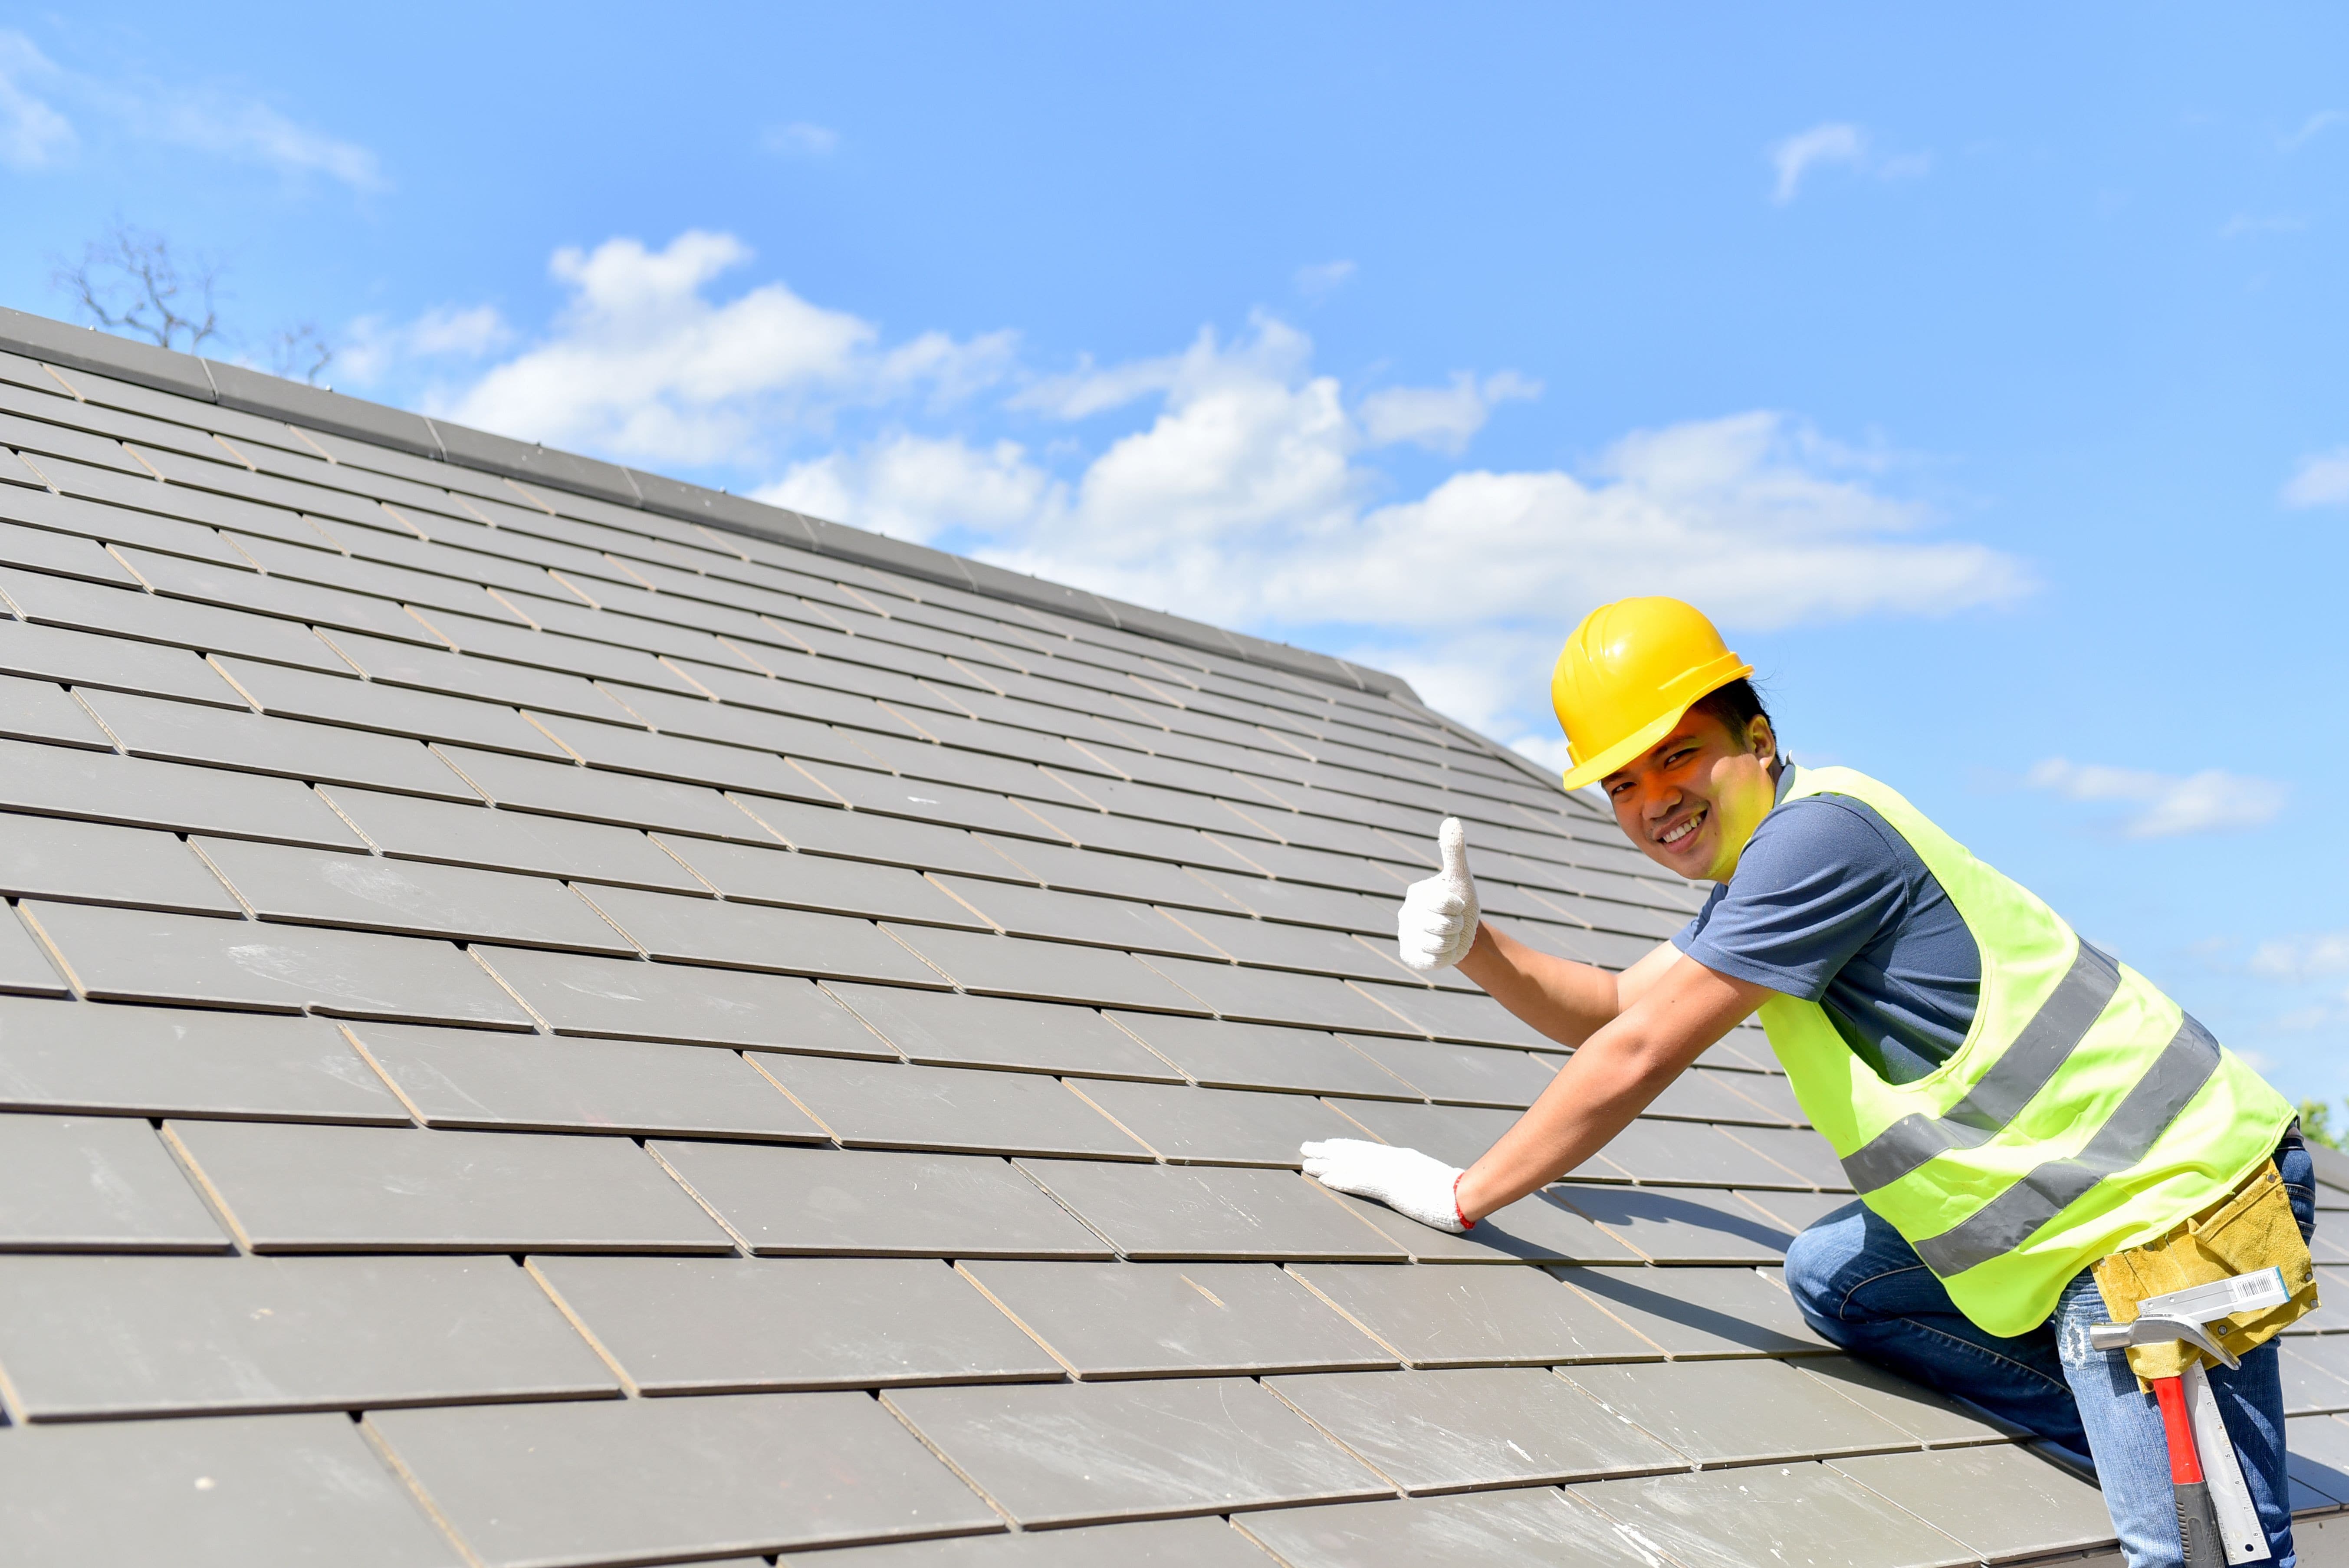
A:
{"points": [[1647, 734]]}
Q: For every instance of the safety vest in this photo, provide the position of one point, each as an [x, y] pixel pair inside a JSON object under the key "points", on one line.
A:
{"points": [[2084, 1112]]}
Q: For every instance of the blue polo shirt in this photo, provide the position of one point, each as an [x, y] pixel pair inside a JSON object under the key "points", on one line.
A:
{"points": [[1830, 903]]}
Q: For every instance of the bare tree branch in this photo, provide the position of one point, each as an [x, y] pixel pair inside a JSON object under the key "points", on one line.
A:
{"points": [[300, 352], [130, 281]]}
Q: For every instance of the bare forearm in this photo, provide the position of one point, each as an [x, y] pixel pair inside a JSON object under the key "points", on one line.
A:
{"points": [[1618, 1070], [1567, 1000]]}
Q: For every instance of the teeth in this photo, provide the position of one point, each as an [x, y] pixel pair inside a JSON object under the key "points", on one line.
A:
{"points": [[1684, 829]]}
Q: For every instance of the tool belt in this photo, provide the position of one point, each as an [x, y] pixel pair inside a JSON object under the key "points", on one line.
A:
{"points": [[2251, 1229]]}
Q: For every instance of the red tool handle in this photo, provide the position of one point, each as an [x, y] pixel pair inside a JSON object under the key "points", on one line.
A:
{"points": [[2197, 1520]]}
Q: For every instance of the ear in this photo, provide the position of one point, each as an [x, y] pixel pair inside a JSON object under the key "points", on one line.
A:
{"points": [[1760, 739]]}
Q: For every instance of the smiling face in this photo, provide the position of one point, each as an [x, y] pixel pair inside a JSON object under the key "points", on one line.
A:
{"points": [[1692, 800]]}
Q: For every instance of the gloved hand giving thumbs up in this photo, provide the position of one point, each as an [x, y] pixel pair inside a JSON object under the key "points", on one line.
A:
{"points": [[1437, 923]]}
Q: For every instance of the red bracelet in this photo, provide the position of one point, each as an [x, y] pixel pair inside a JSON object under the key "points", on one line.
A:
{"points": [[1458, 1212]]}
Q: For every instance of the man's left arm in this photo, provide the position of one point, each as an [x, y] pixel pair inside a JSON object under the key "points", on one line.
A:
{"points": [[1608, 1082], [1610, 1079]]}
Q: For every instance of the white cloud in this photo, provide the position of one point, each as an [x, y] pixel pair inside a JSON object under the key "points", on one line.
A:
{"points": [[1835, 142], [372, 347], [1323, 279], [642, 365], [2207, 802], [1441, 418], [914, 487], [2321, 480], [800, 139], [1238, 484], [2314, 126], [2302, 958], [251, 131], [32, 134]]}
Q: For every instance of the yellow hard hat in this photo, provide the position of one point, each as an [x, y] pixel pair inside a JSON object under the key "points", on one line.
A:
{"points": [[1626, 676]]}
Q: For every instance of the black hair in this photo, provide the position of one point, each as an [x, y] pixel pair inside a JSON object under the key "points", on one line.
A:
{"points": [[1736, 705]]}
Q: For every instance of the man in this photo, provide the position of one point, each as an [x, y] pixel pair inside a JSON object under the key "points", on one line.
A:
{"points": [[2013, 1106]]}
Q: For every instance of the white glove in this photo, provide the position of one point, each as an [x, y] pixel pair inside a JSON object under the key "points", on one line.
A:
{"points": [[1437, 923], [1405, 1179]]}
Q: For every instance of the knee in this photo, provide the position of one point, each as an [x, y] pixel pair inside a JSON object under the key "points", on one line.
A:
{"points": [[1815, 1268], [1821, 1263]]}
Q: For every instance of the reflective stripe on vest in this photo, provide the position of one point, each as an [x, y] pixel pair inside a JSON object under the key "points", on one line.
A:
{"points": [[2084, 1113]]}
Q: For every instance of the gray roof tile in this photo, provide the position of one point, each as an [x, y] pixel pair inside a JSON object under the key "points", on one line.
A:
{"points": [[101, 787], [861, 835], [1025, 911], [94, 862], [1999, 1501], [82, 1184], [1270, 996], [133, 955], [393, 710], [370, 892], [1464, 1074], [630, 1000], [1653, 1151], [1738, 1412], [1476, 1317], [66, 556], [777, 875], [924, 800], [1075, 1453], [43, 711], [1096, 871], [1001, 1032], [222, 1493], [1211, 1212], [1924, 1415], [1227, 1056], [592, 794], [1473, 1019], [877, 1105], [154, 1061], [1187, 1126], [304, 1188], [698, 1326], [1534, 1230], [213, 582], [1456, 1134], [404, 664], [1272, 944], [757, 936], [1696, 1313], [1477, 1427], [1539, 1527], [135, 618], [456, 835], [876, 1203], [467, 1078], [682, 758], [640, 1480], [1680, 1225], [1158, 1320], [1800, 1512], [1208, 1543], [90, 659], [290, 748], [1804, 1153], [85, 1336], [1015, 966]]}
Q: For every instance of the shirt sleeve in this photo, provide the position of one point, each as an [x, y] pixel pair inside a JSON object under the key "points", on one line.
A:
{"points": [[1818, 883]]}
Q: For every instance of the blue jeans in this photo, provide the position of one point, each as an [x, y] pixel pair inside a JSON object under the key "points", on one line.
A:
{"points": [[1864, 1288]]}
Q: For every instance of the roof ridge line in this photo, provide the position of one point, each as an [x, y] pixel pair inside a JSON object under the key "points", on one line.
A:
{"points": [[252, 391]]}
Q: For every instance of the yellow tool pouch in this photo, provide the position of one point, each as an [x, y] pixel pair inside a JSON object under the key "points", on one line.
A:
{"points": [[2249, 1229]]}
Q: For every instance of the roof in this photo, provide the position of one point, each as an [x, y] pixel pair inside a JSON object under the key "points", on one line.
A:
{"points": [[556, 1017]]}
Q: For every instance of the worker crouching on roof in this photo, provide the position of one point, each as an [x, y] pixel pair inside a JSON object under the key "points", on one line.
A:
{"points": [[2013, 1106]]}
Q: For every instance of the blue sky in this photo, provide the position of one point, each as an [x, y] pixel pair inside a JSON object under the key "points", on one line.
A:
{"points": [[1981, 373]]}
